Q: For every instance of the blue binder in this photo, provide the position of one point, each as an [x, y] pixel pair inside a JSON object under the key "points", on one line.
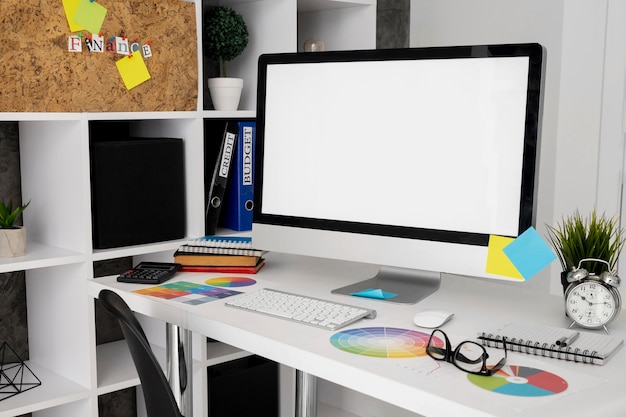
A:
{"points": [[239, 199]]}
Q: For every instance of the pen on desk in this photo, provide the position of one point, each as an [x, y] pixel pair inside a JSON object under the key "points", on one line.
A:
{"points": [[565, 341]]}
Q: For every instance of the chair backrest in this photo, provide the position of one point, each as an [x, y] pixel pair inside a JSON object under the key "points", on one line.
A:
{"points": [[160, 401]]}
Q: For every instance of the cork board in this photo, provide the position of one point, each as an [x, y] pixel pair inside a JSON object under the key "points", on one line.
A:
{"points": [[39, 74]]}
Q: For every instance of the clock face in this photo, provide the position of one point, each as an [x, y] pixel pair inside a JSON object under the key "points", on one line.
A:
{"points": [[591, 304]]}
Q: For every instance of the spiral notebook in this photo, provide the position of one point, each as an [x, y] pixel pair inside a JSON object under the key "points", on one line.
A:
{"points": [[234, 242], [553, 342]]}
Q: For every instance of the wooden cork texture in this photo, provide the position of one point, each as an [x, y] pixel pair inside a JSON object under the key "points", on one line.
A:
{"points": [[39, 74]]}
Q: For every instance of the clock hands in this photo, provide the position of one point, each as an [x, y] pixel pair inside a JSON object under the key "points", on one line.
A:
{"points": [[590, 302]]}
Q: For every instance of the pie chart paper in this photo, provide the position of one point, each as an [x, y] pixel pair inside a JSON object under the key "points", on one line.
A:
{"points": [[521, 381]]}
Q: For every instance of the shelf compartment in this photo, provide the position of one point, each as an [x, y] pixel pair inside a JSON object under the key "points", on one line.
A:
{"points": [[115, 367], [55, 176], [53, 391], [218, 352], [317, 5], [149, 248]]}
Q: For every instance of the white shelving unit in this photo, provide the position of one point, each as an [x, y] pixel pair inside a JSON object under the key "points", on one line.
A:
{"points": [[55, 172]]}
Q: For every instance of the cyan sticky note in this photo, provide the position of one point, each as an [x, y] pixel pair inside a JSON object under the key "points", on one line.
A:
{"points": [[497, 261], [375, 293], [529, 253]]}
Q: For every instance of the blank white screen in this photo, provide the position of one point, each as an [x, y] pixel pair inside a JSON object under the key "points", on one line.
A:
{"points": [[434, 144]]}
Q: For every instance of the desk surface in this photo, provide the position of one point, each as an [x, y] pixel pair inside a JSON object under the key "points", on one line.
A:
{"points": [[418, 384]]}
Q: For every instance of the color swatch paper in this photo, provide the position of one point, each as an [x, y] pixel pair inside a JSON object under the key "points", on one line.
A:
{"points": [[188, 292]]}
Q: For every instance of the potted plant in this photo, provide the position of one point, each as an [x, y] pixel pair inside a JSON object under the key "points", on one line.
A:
{"points": [[576, 238], [225, 38], [12, 238]]}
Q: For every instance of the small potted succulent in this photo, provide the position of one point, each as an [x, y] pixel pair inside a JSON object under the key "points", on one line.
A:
{"points": [[12, 237], [576, 238], [225, 38]]}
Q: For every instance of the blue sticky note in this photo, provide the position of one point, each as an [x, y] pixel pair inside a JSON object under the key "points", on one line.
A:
{"points": [[375, 293], [529, 253]]}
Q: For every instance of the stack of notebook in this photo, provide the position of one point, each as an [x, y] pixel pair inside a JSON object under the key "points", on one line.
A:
{"points": [[220, 254]]}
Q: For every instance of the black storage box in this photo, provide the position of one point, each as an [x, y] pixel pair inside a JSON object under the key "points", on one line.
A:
{"points": [[137, 191], [244, 387]]}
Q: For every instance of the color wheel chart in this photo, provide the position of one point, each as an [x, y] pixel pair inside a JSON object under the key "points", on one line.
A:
{"points": [[521, 381], [381, 342], [187, 292], [230, 282]]}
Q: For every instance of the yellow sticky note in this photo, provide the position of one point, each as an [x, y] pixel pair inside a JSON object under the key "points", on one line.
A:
{"points": [[497, 261], [133, 70], [90, 15], [70, 10]]}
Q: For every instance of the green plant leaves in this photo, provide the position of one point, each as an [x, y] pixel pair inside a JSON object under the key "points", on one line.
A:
{"points": [[576, 238], [225, 35], [8, 215]]}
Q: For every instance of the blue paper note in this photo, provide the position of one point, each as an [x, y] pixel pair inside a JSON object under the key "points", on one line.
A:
{"points": [[375, 293], [529, 253]]}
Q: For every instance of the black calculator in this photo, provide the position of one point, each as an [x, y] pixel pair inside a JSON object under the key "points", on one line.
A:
{"points": [[149, 273]]}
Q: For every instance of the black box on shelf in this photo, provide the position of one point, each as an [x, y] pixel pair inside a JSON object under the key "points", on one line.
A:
{"points": [[244, 387], [137, 191]]}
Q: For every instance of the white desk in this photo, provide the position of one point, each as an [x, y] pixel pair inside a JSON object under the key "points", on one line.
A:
{"points": [[420, 385]]}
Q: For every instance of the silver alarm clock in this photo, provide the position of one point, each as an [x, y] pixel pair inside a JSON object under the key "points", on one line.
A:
{"points": [[592, 301]]}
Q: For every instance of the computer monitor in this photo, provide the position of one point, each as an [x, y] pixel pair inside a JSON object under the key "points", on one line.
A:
{"points": [[404, 158]]}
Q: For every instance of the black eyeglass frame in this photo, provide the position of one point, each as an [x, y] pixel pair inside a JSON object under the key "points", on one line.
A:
{"points": [[452, 356]]}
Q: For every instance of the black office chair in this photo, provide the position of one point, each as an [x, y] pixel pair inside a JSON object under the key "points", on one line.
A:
{"points": [[160, 401]]}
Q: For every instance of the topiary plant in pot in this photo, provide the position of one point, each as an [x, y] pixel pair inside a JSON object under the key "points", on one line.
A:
{"points": [[225, 38], [12, 238], [575, 238]]}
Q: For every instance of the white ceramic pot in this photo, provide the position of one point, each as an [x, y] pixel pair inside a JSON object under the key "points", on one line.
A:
{"points": [[12, 242], [225, 92]]}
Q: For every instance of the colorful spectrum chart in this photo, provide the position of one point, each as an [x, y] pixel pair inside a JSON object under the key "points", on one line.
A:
{"points": [[188, 292], [230, 282], [521, 381], [381, 342]]}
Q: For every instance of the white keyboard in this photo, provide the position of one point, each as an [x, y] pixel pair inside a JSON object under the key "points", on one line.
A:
{"points": [[302, 309]]}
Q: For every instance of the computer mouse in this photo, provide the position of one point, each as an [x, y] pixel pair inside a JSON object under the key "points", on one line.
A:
{"points": [[432, 318]]}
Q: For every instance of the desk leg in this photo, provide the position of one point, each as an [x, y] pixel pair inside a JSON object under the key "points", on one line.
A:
{"points": [[179, 363], [306, 394]]}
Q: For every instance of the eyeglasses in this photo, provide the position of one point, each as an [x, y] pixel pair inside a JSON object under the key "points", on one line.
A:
{"points": [[468, 356]]}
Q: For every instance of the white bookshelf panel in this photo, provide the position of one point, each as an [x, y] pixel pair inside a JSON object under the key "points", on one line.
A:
{"points": [[317, 5], [149, 249], [272, 25], [55, 175], [39, 255], [60, 320]]}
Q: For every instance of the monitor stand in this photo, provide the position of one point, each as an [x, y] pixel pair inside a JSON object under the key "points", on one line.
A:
{"points": [[408, 285]]}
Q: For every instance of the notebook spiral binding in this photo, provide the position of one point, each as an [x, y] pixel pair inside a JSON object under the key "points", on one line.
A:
{"points": [[567, 353]]}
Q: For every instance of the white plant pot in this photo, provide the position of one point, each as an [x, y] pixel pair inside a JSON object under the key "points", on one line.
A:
{"points": [[12, 242], [225, 92]]}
